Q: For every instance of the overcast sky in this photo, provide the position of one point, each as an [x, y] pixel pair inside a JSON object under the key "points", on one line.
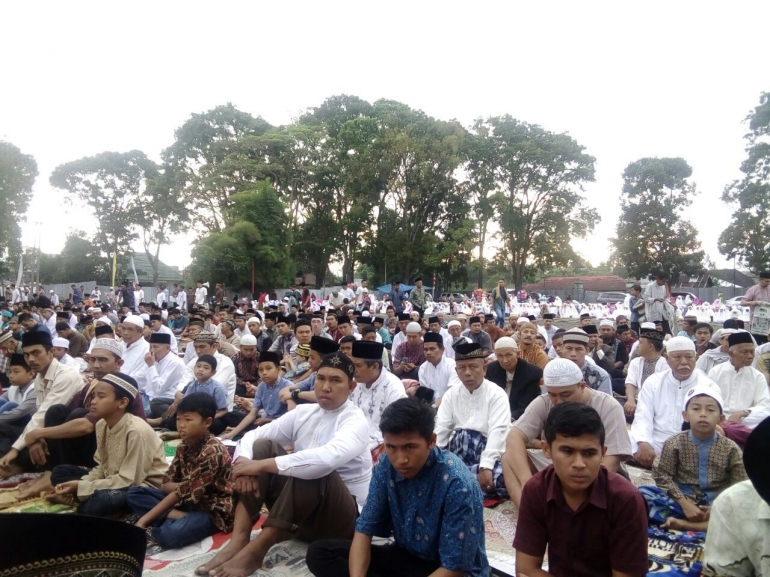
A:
{"points": [[625, 79]]}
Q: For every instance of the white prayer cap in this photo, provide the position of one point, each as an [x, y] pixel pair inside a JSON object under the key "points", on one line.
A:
{"points": [[506, 343], [710, 390], [249, 340], [365, 313], [60, 343], [253, 320], [561, 373], [453, 324], [109, 345], [677, 344], [104, 321], [650, 326], [51, 291], [135, 320], [144, 317], [607, 323], [522, 320], [413, 328]]}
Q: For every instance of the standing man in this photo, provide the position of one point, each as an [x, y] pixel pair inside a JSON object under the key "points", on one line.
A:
{"points": [[397, 296], [181, 298], [76, 296], [418, 297], [139, 293], [200, 294], [657, 308], [758, 297], [500, 300]]}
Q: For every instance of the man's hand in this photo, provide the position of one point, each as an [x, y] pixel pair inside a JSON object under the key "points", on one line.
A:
{"points": [[645, 454], [38, 452], [171, 410], [738, 416], [149, 359], [68, 488], [32, 437], [630, 407], [285, 394], [142, 523], [693, 513], [247, 485], [486, 480], [246, 468], [9, 456], [251, 390]]}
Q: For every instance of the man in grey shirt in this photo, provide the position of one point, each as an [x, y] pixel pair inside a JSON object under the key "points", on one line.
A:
{"points": [[477, 335]]}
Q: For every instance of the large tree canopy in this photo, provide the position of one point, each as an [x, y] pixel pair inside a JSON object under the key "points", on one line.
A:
{"points": [[17, 175]]}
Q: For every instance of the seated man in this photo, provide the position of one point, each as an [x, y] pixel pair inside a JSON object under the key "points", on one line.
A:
{"points": [[593, 521], [519, 379], [529, 350], [54, 384], [17, 403], [575, 347], [659, 410], [304, 391], [609, 337], [313, 493], [718, 355], [564, 382], [409, 356], [206, 343], [736, 542], [417, 489], [162, 372], [474, 419], [476, 335], [601, 354], [649, 362], [437, 374], [375, 388]]}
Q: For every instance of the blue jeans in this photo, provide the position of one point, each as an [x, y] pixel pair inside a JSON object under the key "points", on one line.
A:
{"points": [[146, 404], [7, 405], [170, 533], [103, 503], [500, 316]]}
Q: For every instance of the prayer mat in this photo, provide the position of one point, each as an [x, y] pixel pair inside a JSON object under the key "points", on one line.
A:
{"points": [[674, 553], [84, 546], [10, 503]]}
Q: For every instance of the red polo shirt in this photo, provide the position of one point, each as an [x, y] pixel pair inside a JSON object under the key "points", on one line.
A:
{"points": [[608, 531]]}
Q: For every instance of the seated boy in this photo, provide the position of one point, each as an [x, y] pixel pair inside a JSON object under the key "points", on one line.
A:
{"points": [[196, 497], [128, 452], [694, 466], [266, 398], [423, 496], [313, 493], [593, 521], [204, 371], [18, 403]]}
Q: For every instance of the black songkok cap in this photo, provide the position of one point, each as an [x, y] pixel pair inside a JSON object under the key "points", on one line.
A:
{"points": [[339, 361], [323, 346]]}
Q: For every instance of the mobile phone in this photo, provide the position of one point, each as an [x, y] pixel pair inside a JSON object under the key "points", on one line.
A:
{"points": [[405, 360]]}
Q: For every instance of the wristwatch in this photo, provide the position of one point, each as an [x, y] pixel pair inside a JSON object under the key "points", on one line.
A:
{"points": [[295, 395]]}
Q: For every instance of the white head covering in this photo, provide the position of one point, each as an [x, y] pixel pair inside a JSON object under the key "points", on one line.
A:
{"points": [[522, 320], [606, 323], [144, 316], [135, 320], [365, 313], [249, 340], [61, 343], [703, 389], [109, 345], [505, 343], [680, 344], [103, 321], [650, 326], [413, 328], [561, 373], [253, 320], [453, 324]]}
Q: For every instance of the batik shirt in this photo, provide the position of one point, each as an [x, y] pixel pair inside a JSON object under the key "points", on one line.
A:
{"points": [[202, 471], [436, 515]]}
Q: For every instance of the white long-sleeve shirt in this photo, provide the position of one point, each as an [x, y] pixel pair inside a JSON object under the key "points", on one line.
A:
{"points": [[659, 408], [741, 390], [200, 295], [440, 377], [169, 332], [225, 375], [181, 300], [636, 370], [486, 410], [373, 400], [324, 441], [133, 358], [160, 380]]}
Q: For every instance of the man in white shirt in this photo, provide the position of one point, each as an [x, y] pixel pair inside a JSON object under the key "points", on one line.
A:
{"points": [[138, 294], [162, 372], [375, 389], [744, 389], [15, 295], [315, 492], [349, 294], [437, 374], [54, 298], [49, 320], [200, 294], [96, 295], [649, 362], [659, 408], [400, 337], [181, 298], [473, 420], [60, 349], [157, 326], [713, 357], [134, 346], [455, 330], [206, 343]]}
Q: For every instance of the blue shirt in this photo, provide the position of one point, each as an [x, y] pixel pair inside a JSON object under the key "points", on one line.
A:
{"points": [[397, 297], [210, 387], [307, 384], [703, 465], [437, 515], [267, 398]]}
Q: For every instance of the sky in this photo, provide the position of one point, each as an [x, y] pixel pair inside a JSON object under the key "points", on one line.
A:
{"points": [[624, 79]]}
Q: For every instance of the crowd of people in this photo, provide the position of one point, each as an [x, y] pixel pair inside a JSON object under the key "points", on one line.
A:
{"points": [[349, 420]]}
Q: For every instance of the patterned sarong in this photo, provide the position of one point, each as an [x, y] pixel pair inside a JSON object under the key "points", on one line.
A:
{"points": [[468, 445]]}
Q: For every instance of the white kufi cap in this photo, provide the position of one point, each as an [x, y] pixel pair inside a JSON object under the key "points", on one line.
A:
{"points": [[505, 343], [60, 343], [561, 373], [677, 344]]}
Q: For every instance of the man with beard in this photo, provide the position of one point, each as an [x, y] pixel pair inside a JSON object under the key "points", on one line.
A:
{"points": [[519, 379], [529, 350]]}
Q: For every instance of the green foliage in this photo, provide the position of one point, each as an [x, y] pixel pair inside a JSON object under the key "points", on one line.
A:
{"points": [[17, 176], [652, 234], [747, 235], [531, 179]]}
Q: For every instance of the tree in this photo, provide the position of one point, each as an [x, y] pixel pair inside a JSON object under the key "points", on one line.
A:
{"points": [[652, 234], [257, 239], [18, 172], [748, 233], [113, 185], [538, 177]]}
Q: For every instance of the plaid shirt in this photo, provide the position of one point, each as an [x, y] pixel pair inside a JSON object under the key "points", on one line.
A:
{"points": [[202, 471], [416, 355]]}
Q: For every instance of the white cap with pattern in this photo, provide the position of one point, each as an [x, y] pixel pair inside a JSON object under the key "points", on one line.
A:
{"points": [[561, 373]]}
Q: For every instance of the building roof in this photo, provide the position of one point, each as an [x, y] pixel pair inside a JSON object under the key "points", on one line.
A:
{"points": [[166, 274], [728, 274], [567, 283]]}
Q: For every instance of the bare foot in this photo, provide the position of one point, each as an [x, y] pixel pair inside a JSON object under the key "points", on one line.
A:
{"points": [[61, 499], [228, 552], [34, 487], [10, 471], [243, 564]]}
